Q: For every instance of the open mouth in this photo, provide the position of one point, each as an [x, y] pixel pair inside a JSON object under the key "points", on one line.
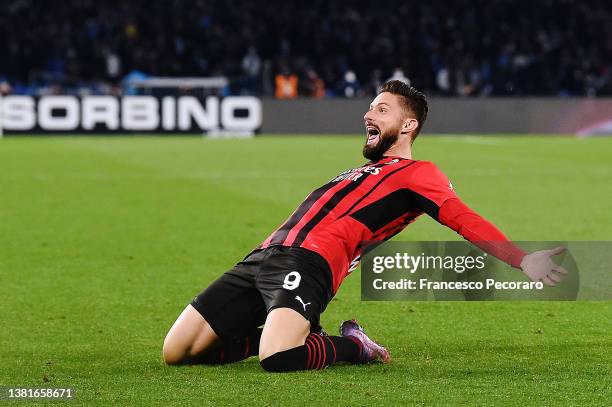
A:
{"points": [[373, 134]]}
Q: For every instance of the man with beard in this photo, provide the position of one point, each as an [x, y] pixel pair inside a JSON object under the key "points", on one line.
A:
{"points": [[287, 282]]}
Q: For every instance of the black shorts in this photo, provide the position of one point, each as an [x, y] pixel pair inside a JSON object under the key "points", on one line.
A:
{"points": [[275, 277]]}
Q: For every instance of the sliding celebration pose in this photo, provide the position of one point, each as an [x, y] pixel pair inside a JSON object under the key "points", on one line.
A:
{"points": [[287, 282]]}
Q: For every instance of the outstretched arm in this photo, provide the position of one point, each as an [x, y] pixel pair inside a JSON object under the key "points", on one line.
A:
{"points": [[473, 227], [438, 199], [538, 266]]}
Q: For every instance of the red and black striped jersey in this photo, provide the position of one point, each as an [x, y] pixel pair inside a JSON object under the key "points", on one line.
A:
{"points": [[376, 201]]}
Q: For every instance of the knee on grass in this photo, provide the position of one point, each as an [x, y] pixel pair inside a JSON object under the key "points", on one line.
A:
{"points": [[173, 353]]}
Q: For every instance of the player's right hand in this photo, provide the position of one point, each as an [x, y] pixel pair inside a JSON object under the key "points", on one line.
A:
{"points": [[539, 266]]}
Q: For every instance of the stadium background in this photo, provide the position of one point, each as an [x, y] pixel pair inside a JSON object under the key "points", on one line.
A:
{"points": [[104, 239]]}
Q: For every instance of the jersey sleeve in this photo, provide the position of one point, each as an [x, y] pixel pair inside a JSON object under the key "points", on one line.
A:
{"points": [[438, 199]]}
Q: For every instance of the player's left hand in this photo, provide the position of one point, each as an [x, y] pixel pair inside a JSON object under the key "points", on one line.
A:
{"points": [[539, 266]]}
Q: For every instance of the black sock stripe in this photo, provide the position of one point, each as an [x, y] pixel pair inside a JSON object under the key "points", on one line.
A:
{"points": [[315, 352], [324, 349], [309, 353], [319, 353], [315, 355], [320, 350]]}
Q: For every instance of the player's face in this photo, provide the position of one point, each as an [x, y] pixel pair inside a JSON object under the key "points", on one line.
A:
{"points": [[383, 123]]}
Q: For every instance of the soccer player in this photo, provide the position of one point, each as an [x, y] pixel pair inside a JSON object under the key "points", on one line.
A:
{"points": [[288, 281]]}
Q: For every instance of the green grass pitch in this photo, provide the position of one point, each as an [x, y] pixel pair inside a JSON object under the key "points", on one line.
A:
{"points": [[103, 241]]}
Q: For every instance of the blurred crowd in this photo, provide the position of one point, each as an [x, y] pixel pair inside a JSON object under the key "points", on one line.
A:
{"points": [[290, 48]]}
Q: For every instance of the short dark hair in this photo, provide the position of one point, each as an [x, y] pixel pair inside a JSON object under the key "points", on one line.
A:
{"points": [[413, 99]]}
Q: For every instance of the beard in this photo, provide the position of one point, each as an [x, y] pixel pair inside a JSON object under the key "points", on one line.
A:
{"points": [[385, 140]]}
